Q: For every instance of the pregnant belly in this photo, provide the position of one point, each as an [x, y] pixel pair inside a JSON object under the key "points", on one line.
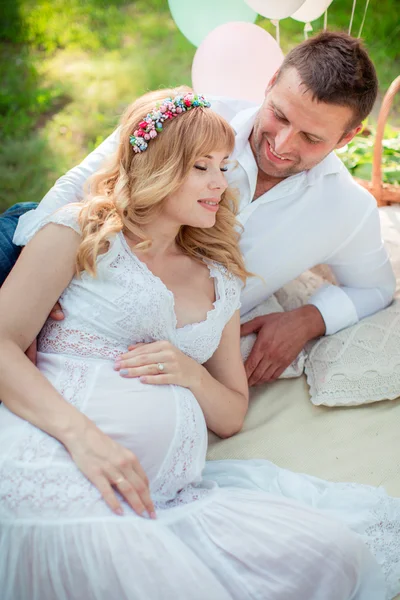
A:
{"points": [[163, 425]]}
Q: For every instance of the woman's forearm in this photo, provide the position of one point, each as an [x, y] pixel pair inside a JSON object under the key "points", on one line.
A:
{"points": [[224, 409], [27, 393]]}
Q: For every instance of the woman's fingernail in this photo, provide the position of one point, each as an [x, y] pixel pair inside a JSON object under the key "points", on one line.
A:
{"points": [[119, 511], [124, 372], [117, 365], [153, 515]]}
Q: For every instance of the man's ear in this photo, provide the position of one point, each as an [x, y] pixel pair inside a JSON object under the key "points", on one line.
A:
{"points": [[348, 136], [271, 82]]}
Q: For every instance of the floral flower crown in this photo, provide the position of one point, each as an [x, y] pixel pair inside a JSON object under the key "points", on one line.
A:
{"points": [[169, 108]]}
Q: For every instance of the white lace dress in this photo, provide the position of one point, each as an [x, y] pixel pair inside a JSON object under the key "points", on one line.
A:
{"points": [[60, 541]]}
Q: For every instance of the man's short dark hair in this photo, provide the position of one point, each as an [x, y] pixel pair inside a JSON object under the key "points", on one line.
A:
{"points": [[336, 69]]}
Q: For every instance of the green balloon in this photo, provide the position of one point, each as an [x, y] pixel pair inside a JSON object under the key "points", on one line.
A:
{"points": [[196, 20]]}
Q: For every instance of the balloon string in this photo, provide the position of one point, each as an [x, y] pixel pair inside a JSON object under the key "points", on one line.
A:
{"points": [[278, 36], [352, 15], [307, 28], [362, 23], [326, 19]]}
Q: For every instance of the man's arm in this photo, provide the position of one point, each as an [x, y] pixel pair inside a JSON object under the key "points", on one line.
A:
{"points": [[365, 276], [366, 284], [69, 188]]}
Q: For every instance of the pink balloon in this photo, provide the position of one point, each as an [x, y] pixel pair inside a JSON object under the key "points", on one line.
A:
{"points": [[236, 60]]}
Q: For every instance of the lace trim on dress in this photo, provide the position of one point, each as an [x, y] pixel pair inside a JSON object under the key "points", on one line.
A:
{"points": [[377, 522], [178, 466], [383, 540], [189, 494], [232, 290], [56, 338], [56, 491], [125, 272], [201, 342], [197, 340], [60, 492]]}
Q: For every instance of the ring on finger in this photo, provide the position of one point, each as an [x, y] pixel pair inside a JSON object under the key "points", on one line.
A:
{"points": [[119, 481], [161, 367]]}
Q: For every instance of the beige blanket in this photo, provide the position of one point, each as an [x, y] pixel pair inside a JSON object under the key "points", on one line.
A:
{"points": [[360, 444]]}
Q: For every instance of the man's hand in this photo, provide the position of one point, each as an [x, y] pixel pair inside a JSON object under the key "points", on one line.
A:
{"points": [[280, 338], [56, 314]]}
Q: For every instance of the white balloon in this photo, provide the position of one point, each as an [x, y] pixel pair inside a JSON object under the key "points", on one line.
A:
{"points": [[275, 9], [311, 10]]}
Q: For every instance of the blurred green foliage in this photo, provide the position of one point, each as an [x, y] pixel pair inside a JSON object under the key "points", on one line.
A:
{"points": [[69, 67], [358, 155]]}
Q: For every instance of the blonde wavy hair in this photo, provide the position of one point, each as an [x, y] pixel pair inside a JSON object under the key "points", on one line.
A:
{"points": [[129, 191]]}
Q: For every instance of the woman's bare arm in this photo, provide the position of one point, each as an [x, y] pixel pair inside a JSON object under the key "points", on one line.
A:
{"points": [[222, 391], [43, 271]]}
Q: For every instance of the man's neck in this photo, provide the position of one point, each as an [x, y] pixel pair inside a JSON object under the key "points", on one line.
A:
{"points": [[265, 183]]}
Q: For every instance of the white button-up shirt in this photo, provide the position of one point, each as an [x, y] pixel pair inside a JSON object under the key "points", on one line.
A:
{"points": [[317, 216]]}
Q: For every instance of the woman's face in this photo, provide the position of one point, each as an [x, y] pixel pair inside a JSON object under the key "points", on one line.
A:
{"points": [[196, 202]]}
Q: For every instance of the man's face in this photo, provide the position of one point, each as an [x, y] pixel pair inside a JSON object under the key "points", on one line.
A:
{"points": [[292, 132]]}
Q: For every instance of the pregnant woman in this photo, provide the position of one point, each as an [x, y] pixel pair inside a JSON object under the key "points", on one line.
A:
{"points": [[101, 455]]}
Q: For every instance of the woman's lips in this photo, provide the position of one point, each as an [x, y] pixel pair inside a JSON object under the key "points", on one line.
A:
{"points": [[210, 204]]}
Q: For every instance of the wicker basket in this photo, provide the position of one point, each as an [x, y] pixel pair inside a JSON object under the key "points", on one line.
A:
{"points": [[385, 193]]}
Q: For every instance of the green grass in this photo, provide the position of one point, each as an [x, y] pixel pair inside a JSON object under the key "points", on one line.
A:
{"points": [[69, 67]]}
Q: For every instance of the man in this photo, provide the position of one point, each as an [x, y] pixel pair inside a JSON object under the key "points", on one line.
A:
{"points": [[298, 204]]}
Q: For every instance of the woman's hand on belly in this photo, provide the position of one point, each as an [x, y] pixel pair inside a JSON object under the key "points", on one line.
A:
{"points": [[107, 464], [159, 363]]}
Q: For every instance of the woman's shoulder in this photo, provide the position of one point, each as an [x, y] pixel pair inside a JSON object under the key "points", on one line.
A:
{"points": [[67, 215], [229, 286], [224, 272]]}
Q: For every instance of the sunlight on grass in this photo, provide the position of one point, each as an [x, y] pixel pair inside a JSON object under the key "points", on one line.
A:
{"points": [[69, 68]]}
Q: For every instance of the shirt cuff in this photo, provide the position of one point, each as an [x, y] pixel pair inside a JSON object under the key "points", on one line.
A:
{"points": [[336, 308]]}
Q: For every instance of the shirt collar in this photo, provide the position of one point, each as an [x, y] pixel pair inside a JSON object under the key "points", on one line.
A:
{"points": [[330, 165], [243, 123]]}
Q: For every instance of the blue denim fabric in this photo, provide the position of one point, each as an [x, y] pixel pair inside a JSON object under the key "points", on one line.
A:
{"points": [[8, 224]]}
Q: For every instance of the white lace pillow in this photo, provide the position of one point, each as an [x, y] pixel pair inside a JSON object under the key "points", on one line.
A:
{"points": [[357, 365], [297, 292], [390, 227], [360, 364], [271, 305]]}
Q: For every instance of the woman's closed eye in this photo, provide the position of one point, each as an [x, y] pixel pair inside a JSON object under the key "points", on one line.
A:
{"points": [[223, 169]]}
